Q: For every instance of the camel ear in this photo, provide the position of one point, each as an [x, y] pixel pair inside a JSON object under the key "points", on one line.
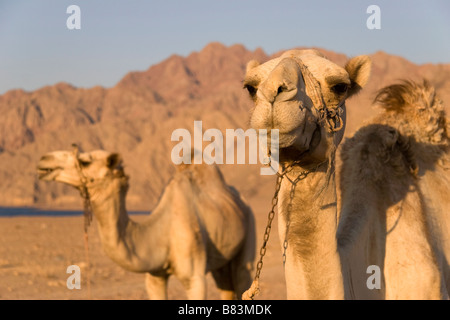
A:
{"points": [[113, 160], [184, 166], [250, 65], [358, 69]]}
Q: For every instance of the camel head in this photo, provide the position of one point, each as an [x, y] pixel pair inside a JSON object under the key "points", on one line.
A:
{"points": [[289, 91], [74, 168]]}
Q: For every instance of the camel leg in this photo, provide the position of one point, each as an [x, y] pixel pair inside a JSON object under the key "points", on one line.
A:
{"points": [[223, 279], [190, 264], [227, 294], [156, 286], [196, 287], [242, 276], [243, 263]]}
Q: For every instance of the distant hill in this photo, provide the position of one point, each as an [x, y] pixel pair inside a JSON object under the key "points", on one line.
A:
{"points": [[137, 116]]}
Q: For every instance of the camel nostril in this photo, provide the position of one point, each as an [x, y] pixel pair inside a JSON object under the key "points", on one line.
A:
{"points": [[280, 90]]}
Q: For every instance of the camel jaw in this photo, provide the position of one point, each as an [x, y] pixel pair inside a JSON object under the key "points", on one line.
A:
{"points": [[48, 174]]}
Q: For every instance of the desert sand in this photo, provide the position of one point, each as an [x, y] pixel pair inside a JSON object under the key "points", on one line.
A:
{"points": [[36, 251]]}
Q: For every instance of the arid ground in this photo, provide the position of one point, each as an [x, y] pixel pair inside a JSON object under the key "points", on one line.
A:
{"points": [[36, 251]]}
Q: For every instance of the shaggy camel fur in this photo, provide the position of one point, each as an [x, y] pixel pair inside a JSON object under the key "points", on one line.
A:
{"points": [[285, 100], [395, 184], [200, 224]]}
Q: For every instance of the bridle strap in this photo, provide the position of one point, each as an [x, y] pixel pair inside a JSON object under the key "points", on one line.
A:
{"points": [[331, 115], [87, 212], [83, 189]]}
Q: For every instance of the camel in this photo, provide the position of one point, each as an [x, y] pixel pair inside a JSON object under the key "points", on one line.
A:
{"points": [[302, 94], [327, 250], [200, 224], [395, 182]]}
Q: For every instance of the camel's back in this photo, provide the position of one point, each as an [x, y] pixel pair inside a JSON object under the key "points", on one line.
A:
{"points": [[415, 110], [221, 214], [404, 153], [419, 115], [434, 183]]}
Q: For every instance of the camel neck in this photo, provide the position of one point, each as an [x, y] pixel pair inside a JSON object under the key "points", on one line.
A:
{"points": [[311, 227], [108, 204], [118, 233]]}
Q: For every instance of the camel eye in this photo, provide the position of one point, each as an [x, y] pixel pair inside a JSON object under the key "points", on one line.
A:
{"points": [[340, 88], [85, 164], [251, 90]]}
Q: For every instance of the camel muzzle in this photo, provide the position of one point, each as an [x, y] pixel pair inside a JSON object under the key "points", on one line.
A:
{"points": [[47, 173], [46, 169]]}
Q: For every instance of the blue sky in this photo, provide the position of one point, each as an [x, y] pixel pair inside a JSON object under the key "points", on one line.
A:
{"points": [[37, 49]]}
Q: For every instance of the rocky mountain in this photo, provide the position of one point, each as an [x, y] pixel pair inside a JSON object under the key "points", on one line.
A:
{"points": [[137, 116]]}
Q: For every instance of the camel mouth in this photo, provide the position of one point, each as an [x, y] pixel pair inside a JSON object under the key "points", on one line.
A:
{"points": [[294, 138], [287, 139], [48, 173], [292, 147]]}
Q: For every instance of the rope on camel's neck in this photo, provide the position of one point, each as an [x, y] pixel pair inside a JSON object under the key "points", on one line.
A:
{"points": [[331, 115], [87, 213], [87, 208]]}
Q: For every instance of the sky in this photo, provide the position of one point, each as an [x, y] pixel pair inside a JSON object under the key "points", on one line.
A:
{"points": [[116, 37]]}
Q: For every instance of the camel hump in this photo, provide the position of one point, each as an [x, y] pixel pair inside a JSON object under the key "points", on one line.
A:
{"points": [[415, 109], [405, 94]]}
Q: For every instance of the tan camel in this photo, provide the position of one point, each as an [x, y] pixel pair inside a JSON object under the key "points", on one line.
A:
{"points": [[395, 187], [302, 94], [199, 225]]}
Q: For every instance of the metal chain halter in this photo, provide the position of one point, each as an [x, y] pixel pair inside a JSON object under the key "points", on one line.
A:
{"points": [[254, 289]]}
